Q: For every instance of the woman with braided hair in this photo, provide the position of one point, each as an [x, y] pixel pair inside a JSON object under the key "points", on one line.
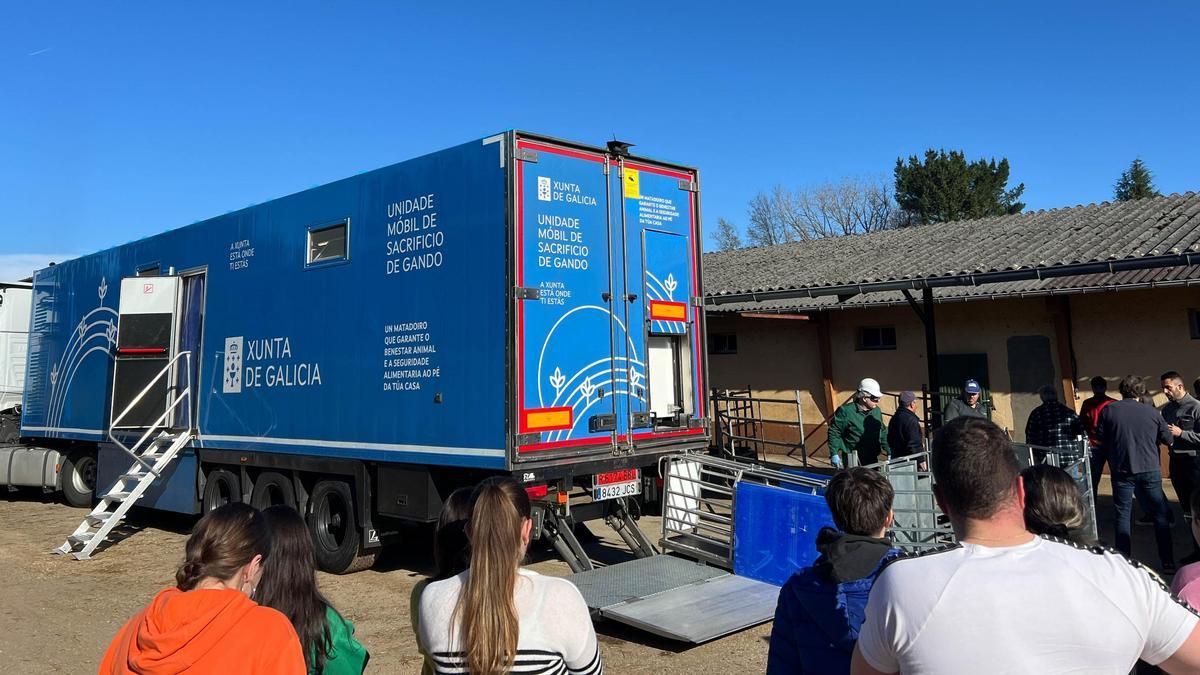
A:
{"points": [[207, 622]]}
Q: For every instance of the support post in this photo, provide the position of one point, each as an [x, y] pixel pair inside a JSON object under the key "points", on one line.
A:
{"points": [[931, 354], [826, 349], [924, 312], [1060, 311]]}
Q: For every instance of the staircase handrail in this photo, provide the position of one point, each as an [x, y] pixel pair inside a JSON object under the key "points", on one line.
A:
{"points": [[185, 394]]}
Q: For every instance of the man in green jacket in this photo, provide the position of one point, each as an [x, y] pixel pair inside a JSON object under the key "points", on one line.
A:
{"points": [[857, 427]]}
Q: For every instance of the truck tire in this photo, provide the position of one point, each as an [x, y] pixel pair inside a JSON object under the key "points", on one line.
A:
{"points": [[333, 528], [10, 428], [220, 488], [79, 478], [271, 489]]}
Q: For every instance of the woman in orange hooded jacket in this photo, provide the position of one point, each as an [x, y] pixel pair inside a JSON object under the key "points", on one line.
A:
{"points": [[208, 623]]}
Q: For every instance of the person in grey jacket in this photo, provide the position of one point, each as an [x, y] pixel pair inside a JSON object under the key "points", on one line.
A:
{"points": [[1182, 414], [967, 406]]}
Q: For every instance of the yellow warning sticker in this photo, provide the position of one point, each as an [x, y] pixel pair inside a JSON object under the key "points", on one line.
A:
{"points": [[633, 184]]}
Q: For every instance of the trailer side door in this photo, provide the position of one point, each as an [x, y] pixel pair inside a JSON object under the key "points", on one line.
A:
{"points": [[565, 372], [659, 281]]}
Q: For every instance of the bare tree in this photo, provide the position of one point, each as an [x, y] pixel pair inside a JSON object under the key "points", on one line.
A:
{"points": [[768, 219], [727, 236], [850, 206]]}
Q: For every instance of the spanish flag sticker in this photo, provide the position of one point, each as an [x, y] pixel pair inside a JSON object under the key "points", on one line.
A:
{"points": [[633, 184]]}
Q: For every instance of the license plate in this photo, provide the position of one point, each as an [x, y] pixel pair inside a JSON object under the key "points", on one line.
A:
{"points": [[616, 484]]}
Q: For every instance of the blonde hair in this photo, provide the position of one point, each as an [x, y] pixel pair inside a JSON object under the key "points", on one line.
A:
{"points": [[488, 628]]}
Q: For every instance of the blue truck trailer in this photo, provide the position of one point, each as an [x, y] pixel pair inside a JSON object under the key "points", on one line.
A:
{"points": [[514, 305]]}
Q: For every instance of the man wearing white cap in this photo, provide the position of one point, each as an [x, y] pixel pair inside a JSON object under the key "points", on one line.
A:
{"points": [[857, 434]]}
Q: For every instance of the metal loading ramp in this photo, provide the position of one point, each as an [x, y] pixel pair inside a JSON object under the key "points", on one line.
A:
{"points": [[677, 598]]}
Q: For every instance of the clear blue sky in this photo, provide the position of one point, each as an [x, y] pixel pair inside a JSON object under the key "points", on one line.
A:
{"points": [[119, 120]]}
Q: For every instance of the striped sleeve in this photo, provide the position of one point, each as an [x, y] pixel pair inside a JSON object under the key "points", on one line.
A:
{"points": [[527, 662], [595, 666]]}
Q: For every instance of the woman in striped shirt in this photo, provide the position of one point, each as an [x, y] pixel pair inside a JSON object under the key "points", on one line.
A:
{"points": [[497, 618]]}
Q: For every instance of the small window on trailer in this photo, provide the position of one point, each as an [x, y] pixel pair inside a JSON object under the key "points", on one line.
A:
{"points": [[328, 243], [1194, 323]]}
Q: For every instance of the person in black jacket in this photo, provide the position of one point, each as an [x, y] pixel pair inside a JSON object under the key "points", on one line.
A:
{"points": [[904, 431], [1131, 432]]}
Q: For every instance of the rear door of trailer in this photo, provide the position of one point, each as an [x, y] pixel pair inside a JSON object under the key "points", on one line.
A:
{"points": [[607, 357]]}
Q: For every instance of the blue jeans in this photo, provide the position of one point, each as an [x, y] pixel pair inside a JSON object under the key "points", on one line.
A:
{"points": [[1148, 488]]}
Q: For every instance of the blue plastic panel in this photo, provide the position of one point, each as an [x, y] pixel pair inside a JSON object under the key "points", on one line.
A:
{"points": [[775, 531]]}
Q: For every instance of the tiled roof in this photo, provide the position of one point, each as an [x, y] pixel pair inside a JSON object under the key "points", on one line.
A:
{"points": [[1038, 240], [1084, 283]]}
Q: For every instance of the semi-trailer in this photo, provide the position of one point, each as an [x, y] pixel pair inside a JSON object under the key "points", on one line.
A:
{"points": [[516, 305]]}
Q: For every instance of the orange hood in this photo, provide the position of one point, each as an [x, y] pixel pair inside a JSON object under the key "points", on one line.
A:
{"points": [[178, 630]]}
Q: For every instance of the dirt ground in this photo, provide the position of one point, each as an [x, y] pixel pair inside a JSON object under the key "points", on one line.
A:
{"points": [[57, 614]]}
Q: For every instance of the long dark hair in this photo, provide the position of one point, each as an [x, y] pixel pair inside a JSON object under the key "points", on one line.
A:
{"points": [[451, 548], [489, 623], [225, 540], [289, 584]]}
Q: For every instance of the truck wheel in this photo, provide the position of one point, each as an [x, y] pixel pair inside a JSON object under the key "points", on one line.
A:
{"points": [[272, 489], [220, 488], [333, 528], [79, 478], [10, 428]]}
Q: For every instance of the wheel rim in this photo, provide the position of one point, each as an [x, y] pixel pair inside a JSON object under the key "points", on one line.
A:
{"points": [[83, 479], [331, 517]]}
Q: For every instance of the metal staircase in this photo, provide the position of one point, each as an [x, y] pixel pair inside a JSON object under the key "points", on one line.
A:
{"points": [[153, 452]]}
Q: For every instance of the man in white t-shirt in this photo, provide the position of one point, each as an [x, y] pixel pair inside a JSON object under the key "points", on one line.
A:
{"points": [[1005, 601]]}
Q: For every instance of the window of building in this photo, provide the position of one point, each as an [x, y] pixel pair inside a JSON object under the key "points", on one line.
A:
{"points": [[722, 343], [1194, 323], [328, 243], [875, 337]]}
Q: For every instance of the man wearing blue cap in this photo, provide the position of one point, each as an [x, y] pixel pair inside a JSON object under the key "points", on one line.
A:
{"points": [[967, 406]]}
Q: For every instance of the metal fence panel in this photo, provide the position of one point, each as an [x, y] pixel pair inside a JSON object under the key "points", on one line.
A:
{"points": [[919, 523], [1077, 464]]}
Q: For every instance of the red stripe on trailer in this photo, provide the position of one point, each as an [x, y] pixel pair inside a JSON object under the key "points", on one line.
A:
{"points": [[664, 434], [141, 350], [658, 170], [559, 151], [552, 445], [520, 255], [701, 398]]}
